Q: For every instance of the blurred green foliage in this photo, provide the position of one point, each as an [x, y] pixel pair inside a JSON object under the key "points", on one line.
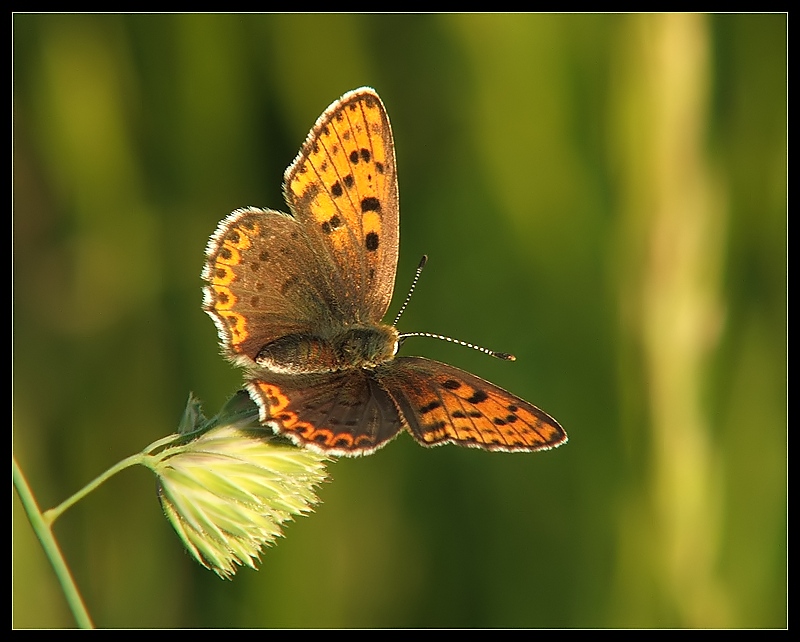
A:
{"points": [[603, 195]]}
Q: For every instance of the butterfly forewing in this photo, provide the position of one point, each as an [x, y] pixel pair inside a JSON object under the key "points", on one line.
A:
{"points": [[343, 188], [256, 292]]}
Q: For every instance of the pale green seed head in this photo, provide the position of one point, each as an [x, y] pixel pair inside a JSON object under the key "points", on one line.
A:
{"points": [[228, 491]]}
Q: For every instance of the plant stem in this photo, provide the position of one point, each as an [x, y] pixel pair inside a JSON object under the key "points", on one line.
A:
{"points": [[53, 514], [143, 458], [42, 523], [45, 535]]}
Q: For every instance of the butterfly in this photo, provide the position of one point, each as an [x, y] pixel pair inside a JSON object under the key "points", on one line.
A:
{"points": [[298, 300]]}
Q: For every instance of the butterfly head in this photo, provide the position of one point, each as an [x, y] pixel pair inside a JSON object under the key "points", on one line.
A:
{"points": [[367, 346]]}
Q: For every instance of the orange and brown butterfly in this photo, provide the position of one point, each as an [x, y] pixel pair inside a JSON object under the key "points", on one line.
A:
{"points": [[298, 302]]}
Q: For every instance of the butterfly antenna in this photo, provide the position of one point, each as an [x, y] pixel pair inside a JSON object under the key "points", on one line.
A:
{"points": [[421, 265], [505, 356]]}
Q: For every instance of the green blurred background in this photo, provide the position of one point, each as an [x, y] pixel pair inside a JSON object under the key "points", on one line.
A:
{"points": [[603, 195]]}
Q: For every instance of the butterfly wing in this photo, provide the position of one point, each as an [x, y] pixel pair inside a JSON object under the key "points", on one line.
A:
{"points": [[442, 404], [343, 413], [342, 188], [264, 281]]}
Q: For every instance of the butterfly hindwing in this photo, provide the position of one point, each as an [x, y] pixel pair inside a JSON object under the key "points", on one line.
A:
{"points": [[342, 188], [442, 404], [342, 413]]}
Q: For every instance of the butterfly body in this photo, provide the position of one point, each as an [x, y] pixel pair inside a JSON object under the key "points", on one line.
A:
{"points": [[298, 302], [361, 346]]}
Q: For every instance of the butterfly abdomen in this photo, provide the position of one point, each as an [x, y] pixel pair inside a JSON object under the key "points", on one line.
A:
{"points": [[352, 347]]}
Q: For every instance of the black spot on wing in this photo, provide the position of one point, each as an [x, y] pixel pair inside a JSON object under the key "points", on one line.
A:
{"points": [[370, 204], [433, 405], [372, 241], [479, 396]]}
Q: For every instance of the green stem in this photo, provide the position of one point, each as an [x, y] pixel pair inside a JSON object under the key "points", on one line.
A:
{"points": [[143, 458], [43, 522], [42, 529], [53, 514]]}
